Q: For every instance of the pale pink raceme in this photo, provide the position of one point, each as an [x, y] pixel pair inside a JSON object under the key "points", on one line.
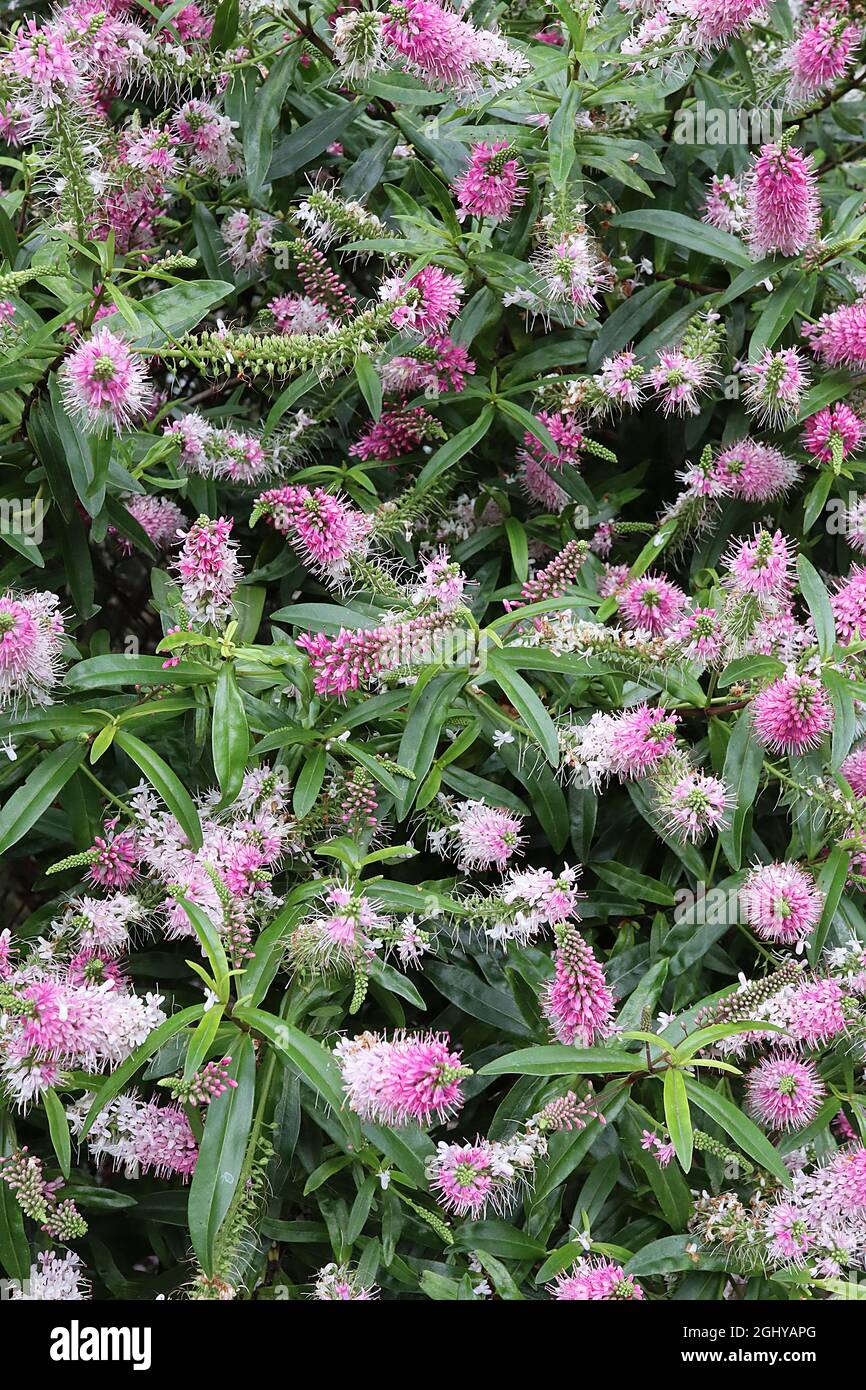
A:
{"points": [[572, 268], [792, 714], [31, 641], [60, 1025], [692, 805], [326, 529], [640, 739], [90, 967], [468, 1178], [849, 606], [139, 1136], [437, 44], [854, 770], [358, 657], [341, 1284], [483, 836], [677, 379], [527, 901], [594, 1280], [160, 519], [116, 857], [620, 380], [652, 604], [833, 433], [46, 62], [209, 570], [725, 205], [762, 566], [814, 1012], [104, 383], [855, 524], [577, 1002], [614, 580], [756, 472], [152, 151], [18, 122], [340, 938], [787, 1233], [463, 1180], [784, 209], [774, 386], [536, 460], [781, 902], [784, 1092], [53, 1279], [701, 636], [103, 924], [491, 184], [248, 237], [539, 486], [300, 314], [434, 300], [209, 137], [436, 365], [446, 51], [441, 582], [718, 20], [411, 1078], [230, 454]]}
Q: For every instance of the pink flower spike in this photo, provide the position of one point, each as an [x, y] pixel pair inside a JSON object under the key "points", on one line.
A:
{"points": [[652, 604], [577, 1002], [839, 338], [784, 210], [792, 714], [784, 1092], [781, 902], [834, 433], [640, 739], [104, 383], [491, 184], [434, 301], [594, 1280], [413, 1077]]}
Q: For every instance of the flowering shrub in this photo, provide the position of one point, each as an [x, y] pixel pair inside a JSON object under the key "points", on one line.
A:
{"points": [[432, 650]]}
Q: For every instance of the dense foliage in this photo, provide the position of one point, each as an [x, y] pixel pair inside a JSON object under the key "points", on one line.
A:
{"points": [[432, 650]]}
